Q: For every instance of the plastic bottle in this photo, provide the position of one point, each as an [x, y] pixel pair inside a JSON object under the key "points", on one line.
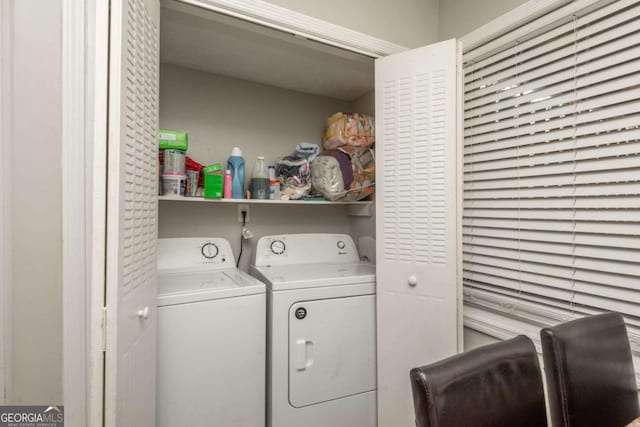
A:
{"points": [[236, 165], [227, 184], [274, 185], [260, 180]]}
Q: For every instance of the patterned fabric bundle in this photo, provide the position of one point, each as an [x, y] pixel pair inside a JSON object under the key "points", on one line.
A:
{"points": [[353, 129]]}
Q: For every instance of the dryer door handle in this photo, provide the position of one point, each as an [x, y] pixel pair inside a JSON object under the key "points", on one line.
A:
{"points": [[302, 354]]}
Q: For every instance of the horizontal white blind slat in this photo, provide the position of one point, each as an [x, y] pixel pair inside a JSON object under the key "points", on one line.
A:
{"points": [[546, 38], [576, 55], [573, 94], [626, 276], [607, 112], [554, 214], [607, 139], [617, 202], [478, 73], [597, 130], [537, 157], [525, 32], [559, 248], [527, 123], [608, 68]]}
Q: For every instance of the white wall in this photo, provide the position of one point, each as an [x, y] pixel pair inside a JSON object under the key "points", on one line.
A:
{"points": [[183, 219], [220, 112], [37, 244], [409, 23], [459, 17], [474, 339]]}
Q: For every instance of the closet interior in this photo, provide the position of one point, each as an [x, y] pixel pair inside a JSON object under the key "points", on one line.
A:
{"points": [[232, 83]]}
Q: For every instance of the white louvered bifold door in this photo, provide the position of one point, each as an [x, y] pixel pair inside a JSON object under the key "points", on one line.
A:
{"points": [[551, 221], [416, 220], [132, 214]]}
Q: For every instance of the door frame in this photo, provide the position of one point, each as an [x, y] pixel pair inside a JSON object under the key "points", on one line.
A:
{"points": [[296, 23], [84, 99], [6, 214]]}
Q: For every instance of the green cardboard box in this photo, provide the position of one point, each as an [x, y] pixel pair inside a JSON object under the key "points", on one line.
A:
{"points": [[174, 139], [213, 180]]}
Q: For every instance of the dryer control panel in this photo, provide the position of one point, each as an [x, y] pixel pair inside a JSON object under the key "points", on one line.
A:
{"points": [[195, 253], [305, 249]]}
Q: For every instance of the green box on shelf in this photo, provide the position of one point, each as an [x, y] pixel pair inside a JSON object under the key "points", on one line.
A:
{"points": [[174, 139], [213, 179]]}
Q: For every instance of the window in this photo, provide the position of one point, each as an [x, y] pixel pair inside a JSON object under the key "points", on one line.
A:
{"points": [[551, 217]]}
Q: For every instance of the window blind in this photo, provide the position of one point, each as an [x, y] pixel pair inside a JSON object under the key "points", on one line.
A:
{"points": [[551, 200]]}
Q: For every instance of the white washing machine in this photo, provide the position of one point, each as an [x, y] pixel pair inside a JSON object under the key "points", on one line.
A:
{"points": [[321, 363], [211, 337]]}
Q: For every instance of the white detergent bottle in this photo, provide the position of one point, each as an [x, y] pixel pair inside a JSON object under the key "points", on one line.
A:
{"points": [[260, 180]]}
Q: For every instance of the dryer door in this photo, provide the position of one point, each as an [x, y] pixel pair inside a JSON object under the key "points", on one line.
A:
{"points": [[331, 349]]}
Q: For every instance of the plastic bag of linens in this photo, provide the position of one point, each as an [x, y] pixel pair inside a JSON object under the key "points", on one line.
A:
{"points": [[294, 173], [346, 169], [339, 175], [349, 129]]}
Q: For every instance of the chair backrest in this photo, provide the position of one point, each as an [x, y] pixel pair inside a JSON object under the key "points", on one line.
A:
{"points": [[498, 385], [589, 370]]}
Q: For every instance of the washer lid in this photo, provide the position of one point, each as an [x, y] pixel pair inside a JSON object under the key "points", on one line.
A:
{"points": [[181, 288], [284, 277]]}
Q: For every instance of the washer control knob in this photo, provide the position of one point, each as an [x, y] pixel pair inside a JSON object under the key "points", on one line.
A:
{"points": [[209, 250], [341, 244], [278, 247], [413, 281]]}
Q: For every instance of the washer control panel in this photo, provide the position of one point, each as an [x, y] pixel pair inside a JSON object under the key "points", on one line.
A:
{"points": [[195, 253], [305, 249]]}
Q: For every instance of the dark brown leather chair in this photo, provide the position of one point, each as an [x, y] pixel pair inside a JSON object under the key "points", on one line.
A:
{"points": [[498, 385], [589, 369]]}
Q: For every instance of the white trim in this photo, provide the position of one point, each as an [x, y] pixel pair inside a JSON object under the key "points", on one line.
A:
{"points": [[96, 131], [459, 189], [6, 195], [74, 259], [503, 327], [499, 326], [509, 21], [85, 41], [280, 18]]}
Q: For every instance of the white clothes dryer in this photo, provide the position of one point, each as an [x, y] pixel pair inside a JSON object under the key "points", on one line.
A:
{"points": [[211, 337], [321, 359]]}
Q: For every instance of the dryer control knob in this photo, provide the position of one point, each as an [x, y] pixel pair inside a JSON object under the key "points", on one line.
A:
{"points": [[413, 281]]}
